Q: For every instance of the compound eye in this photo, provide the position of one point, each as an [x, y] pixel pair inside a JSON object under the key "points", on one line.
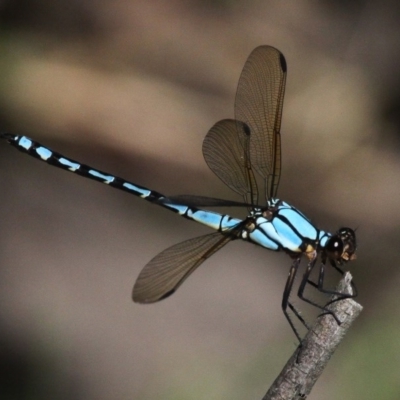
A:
{"points": [[334, 247]]}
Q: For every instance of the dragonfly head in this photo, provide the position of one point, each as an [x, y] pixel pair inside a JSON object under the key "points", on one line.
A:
{"points": [[341, 247]]}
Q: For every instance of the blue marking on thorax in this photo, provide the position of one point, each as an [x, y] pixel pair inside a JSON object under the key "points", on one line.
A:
{"points": [[44, 153], [300, 223], [143, 192], [287, 236], [274, 202], [260, 238], [25, 142], [323, 238], [266, 227], [72, 166]]}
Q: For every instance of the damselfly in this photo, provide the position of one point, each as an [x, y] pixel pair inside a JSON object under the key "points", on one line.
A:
{"points": [[245, 153]]}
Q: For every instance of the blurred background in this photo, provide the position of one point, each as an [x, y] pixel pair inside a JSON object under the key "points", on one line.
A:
{"points": [[131, 88]]}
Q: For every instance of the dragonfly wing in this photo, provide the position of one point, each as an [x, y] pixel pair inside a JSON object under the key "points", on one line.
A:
{"points": [[224, 149], [167, 271], [201, 201], [258, 103]]}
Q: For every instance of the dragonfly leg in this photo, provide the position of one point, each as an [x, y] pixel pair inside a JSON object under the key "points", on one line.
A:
{"points": [[285, 299], [339, 296], [320, 286], [303, 283]]}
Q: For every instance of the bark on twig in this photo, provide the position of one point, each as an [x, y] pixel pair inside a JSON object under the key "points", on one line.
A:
{"points": [[307, 363]]}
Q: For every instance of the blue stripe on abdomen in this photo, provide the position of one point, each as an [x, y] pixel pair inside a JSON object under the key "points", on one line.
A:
{"points": [[72, 166], [25, 142], [107, 179], [44, 153], [228, 222], [142, 192], [212, 219]]}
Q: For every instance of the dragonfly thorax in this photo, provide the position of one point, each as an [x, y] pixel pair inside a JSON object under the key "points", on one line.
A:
{"points": [[280, 226], [267, 211]]}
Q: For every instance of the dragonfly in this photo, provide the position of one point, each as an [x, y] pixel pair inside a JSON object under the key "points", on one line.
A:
{"points": [[245, 154]]}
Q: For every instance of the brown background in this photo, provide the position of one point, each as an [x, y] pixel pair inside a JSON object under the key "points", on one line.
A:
{"points": [[131, 87]]}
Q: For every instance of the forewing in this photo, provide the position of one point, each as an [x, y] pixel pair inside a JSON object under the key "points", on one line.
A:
{"points": [[258, 103], [166, 271], [201, 201], [224, 149]]}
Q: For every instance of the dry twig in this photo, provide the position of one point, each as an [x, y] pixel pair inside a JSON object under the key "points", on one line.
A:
{"points": [[307, 363]]}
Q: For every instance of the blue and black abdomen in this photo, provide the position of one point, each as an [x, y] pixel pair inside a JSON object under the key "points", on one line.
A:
{"points": [[214, 220], [51, 157]]}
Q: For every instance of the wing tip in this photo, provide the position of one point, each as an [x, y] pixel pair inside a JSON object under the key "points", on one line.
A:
{"points": [[141, 298], [282, 61]]}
